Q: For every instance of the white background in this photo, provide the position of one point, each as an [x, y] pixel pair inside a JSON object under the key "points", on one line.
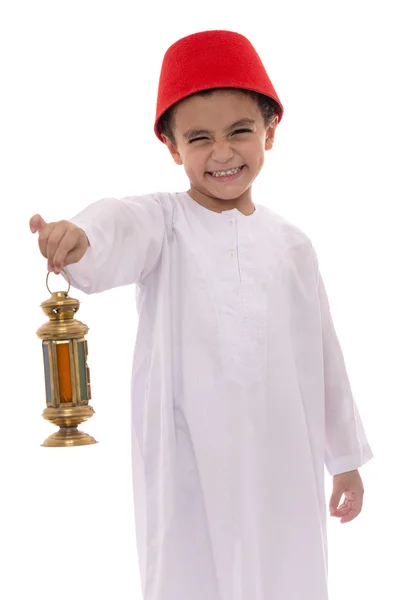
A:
{"points": [[78, 93]]}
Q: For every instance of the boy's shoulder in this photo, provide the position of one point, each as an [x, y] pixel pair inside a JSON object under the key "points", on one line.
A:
{"points": [[165, 200], [283, 229], [292, 242]]}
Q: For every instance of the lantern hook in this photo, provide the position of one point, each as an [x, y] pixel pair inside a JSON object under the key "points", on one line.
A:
{"points": [[68, 279]]}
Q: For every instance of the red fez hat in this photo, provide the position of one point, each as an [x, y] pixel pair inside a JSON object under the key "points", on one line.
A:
{"points": [[210, 59]]}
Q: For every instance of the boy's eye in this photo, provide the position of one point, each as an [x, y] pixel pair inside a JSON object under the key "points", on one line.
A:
{"points": [[236, 131], [197, 139], [242, 131]]}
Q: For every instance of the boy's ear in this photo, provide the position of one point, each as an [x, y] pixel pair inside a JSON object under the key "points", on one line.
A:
{"points": [[173, 149], [270, 134]]}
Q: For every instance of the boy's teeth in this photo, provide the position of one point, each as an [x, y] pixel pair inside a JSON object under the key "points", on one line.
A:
{"points": [[225, 173]]}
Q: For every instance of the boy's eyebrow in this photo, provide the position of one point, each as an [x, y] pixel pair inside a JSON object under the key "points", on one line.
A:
{"points": [[193, 132]]}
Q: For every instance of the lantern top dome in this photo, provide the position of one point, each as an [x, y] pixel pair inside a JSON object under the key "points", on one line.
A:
{"points": [[62, 325]]}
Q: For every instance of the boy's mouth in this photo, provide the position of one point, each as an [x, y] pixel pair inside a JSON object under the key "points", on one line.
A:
{"points": [[226, 173]]}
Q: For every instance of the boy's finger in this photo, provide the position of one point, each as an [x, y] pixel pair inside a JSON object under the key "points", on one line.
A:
{"points": [[44, 236], [335, 499], [63, 251], [72, 257], [350, 516], [37, 223], [52, 236]]}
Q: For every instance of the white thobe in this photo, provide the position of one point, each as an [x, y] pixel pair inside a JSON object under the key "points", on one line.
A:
{"points": [[240, 396]]}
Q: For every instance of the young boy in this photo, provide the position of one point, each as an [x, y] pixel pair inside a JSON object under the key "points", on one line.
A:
{"points": [[240, 394]]}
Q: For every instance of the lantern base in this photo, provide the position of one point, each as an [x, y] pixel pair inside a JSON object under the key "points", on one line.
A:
{"points": [[68, 436], [68, 417]]}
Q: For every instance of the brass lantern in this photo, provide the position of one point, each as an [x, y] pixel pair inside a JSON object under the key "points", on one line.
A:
{"points": [[67, 377]]}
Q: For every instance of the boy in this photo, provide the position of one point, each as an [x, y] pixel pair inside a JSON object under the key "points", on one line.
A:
{"points": [[239, 392]]}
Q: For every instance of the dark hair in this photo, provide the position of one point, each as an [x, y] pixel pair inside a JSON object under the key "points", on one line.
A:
{"points": [[268, 107]]}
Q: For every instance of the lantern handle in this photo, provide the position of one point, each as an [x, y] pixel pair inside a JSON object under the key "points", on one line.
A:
{"points": [[63, 271]]}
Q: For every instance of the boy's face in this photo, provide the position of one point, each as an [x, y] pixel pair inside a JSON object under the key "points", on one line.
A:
{"points": [[222, 131]]}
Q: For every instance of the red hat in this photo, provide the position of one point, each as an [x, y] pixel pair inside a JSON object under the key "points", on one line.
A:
{"points": [[210, 59]]}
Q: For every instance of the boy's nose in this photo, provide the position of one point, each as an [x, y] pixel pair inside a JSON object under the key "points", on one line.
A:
{"points": [[222, 151]]}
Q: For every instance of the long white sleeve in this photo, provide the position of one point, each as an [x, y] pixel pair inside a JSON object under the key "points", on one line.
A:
{"points": [[346, 445], [125, 236]]}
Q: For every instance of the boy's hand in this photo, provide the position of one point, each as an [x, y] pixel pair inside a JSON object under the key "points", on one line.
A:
{"points": [[62, 243], [350, 484]]}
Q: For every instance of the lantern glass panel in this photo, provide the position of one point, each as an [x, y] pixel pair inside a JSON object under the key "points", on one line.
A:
{"points": [[82, 370], [47, 376], [64, 372]]}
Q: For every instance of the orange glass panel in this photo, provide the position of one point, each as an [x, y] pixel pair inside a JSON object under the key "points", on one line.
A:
{"points": [[64, 372]]}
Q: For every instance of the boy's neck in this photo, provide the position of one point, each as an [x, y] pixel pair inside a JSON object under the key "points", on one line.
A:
{"points": [[243, 204]]}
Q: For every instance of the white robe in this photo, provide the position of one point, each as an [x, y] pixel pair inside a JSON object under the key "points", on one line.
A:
{"points": [[240, 396]]}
